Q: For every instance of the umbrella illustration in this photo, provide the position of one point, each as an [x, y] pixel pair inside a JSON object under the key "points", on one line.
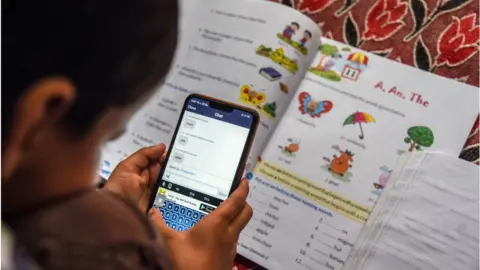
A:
{"points": [[358, 58], [359, 118]]}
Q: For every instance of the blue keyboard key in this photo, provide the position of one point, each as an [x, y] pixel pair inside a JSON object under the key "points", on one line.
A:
{"points": [[180, 218]]}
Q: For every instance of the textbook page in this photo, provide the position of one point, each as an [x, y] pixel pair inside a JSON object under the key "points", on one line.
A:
{"points": [[333, 150], [115, 151], [427, 218], [232, 52]]}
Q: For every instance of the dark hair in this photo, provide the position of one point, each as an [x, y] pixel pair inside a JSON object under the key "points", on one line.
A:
{"points": [[295, 23], [113, 51], [308, 33]]}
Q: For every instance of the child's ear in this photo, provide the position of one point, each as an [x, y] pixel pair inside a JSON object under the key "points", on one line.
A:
{"points": [[42, 105]]}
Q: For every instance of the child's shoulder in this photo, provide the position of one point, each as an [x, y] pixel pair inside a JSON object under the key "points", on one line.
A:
{"points": [[85, 228], [91, 216]]}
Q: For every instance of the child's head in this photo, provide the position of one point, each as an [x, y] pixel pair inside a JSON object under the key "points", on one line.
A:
{"points": [[72, 74], [295, 26], [307, 34]]}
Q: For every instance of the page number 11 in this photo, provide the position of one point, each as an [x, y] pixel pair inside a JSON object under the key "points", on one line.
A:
{"points": [[351, 73]]}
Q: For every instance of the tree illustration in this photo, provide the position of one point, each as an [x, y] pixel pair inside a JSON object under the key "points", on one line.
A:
{"points": [[419, 136], [270, 108], [328, 49]]}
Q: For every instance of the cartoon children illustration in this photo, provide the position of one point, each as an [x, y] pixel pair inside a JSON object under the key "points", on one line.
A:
{"points": [[307, 35], [290, 30]]}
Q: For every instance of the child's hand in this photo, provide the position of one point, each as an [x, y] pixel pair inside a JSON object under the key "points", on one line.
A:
{"points": [[135, 177], [212, 243]]}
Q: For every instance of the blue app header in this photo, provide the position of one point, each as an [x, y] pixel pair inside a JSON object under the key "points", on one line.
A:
{"points": [[235, 117]]}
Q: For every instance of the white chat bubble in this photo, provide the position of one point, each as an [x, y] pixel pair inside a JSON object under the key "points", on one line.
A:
{"points": [[189, 123]]}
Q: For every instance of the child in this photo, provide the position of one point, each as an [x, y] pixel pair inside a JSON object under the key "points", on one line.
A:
{"points": [[73, 73], [290, 30], [306, 37]]}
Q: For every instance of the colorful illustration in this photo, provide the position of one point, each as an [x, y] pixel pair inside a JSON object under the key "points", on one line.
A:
{"points": [[283, 88], [419, 136], [289, 31], [270, 109], [270, 73], [278, 56], [359, 118], [263, 51], [382, 180], [339, 166], [252, 97], [335, 64], [352, 70], [291, 147], [327, 61], [257, 99], [307, 35], [312, 107]]}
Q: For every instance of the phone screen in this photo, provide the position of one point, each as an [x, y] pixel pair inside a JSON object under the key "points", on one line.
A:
{"points": [[203, 161]]}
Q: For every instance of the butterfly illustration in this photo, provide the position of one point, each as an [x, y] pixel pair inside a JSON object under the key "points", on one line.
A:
{"points": [[312, 107]]}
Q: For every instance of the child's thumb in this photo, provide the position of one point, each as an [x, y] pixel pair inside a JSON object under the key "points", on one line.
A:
{"points": [[157, 220]]}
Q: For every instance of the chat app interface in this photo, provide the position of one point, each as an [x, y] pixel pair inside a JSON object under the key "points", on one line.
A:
{"points": [[202, 164]]}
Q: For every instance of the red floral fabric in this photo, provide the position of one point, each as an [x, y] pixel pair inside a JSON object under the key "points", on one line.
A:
{"points": [[438, 36], [384, 19]]}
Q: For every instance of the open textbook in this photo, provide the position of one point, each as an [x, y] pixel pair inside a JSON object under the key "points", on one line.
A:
{"points": [[334, 120], [427, 217]]}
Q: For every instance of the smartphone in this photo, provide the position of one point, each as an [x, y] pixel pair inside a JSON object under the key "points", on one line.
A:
{"points": [[205, 160]]}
